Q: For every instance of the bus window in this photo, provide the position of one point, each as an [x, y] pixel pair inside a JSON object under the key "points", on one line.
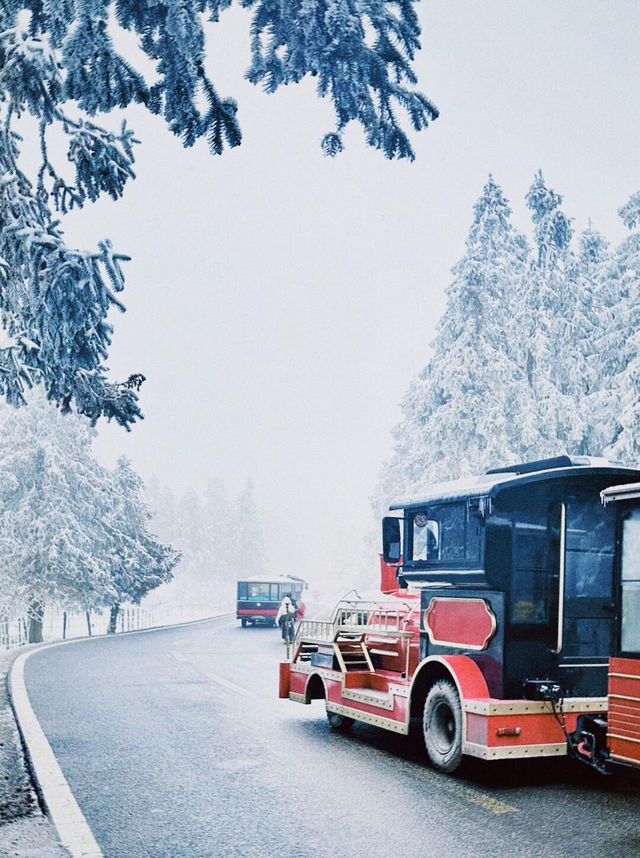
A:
{"points": [[259, 591], [630, 632]]}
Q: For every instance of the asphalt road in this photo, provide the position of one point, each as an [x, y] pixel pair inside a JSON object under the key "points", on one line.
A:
{"points": [[176, 746]]}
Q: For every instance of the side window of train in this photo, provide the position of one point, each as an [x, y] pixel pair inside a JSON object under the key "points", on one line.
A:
{"points": [[448, 533], [536, 561], [590, 549], [630, 631], [419, 534]]}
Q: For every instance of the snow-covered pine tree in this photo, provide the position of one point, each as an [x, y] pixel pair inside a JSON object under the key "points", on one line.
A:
{"points": [[164, 510], [54, 498], [202, 526], [594, 363], [220, 514], [139, 562], [467, 409], [623, 399], [59, 66], [553, 327], [248, 539]]}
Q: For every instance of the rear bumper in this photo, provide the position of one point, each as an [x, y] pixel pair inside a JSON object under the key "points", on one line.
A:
{"points": [[256, 614]]}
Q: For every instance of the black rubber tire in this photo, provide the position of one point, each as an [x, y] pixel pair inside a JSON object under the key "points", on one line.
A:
{"points": [[340, 723], [442, 727], [243, 622]]}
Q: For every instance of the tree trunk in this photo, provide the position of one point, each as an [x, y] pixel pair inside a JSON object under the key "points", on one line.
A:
{"points": [[88, 616], [113, 618], [36, 616]]}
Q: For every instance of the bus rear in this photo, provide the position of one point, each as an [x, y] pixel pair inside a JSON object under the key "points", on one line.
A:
{"points": [[259, 598]]}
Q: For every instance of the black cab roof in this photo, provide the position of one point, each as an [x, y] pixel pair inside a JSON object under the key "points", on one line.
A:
{"points": [[490, 483]]}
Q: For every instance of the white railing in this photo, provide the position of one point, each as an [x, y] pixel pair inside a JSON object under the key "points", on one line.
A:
{"points": [[13, 633], [317, 630], [59, 625], [361, 619]]}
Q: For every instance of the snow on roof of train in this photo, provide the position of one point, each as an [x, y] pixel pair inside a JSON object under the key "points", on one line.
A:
{"points": [[482, 485]]}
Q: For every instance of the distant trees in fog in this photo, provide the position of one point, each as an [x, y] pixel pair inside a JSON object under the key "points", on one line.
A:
{"points": [[220, 539]]}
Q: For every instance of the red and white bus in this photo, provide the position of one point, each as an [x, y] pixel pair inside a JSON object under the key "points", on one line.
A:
{"points": [[510, 625], [259, 598]]}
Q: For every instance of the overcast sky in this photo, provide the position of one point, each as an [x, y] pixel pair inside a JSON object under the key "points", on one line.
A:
{"points": [[279, 302]]}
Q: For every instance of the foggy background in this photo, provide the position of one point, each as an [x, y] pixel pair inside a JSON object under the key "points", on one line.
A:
{"points": [[279, 302]]}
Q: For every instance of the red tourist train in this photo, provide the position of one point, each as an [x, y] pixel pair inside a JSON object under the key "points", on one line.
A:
{"points": [[259, 598], [508, 622]]}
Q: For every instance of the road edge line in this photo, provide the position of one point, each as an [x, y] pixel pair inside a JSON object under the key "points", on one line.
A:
{"points": [[53, 789]]}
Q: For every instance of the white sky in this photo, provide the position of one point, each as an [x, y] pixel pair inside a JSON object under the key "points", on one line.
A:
{"points": [[279, 302]]}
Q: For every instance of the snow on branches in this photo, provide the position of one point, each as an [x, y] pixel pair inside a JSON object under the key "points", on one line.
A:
{"points": [[361, 53], [60, 67], [72, 533], [537, 353]]}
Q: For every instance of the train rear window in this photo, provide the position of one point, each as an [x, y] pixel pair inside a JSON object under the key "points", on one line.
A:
{"points": [[258, 590]]}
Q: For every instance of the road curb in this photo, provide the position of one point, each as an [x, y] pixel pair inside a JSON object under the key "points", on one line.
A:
{"points": [[50, 783]]}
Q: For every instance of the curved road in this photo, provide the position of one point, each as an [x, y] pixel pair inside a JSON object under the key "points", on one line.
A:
{"points": [[176, 746]]}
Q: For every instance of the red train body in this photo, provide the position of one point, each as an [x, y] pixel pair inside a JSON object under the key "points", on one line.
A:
{"points": [[508, 603]]}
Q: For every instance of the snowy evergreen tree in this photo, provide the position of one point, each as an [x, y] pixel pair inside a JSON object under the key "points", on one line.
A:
{"points": [[623, 398], [195, 538], [164, 511], [248, 548], [457, 416], [595, 363], [138, 561], [536, 354], [60, 67], [550, 313], [209, 529], [73, 534], [54, 499]]}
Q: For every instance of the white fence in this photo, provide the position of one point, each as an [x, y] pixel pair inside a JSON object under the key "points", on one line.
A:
{"points": [[60, 624], [13, 633]]}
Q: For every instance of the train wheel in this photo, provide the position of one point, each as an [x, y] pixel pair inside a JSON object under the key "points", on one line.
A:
{"points": [[339, 723], [442, 725]]}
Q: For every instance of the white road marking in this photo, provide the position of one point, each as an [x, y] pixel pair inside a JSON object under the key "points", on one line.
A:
{"points": [[73, 829], [220, 680]]}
